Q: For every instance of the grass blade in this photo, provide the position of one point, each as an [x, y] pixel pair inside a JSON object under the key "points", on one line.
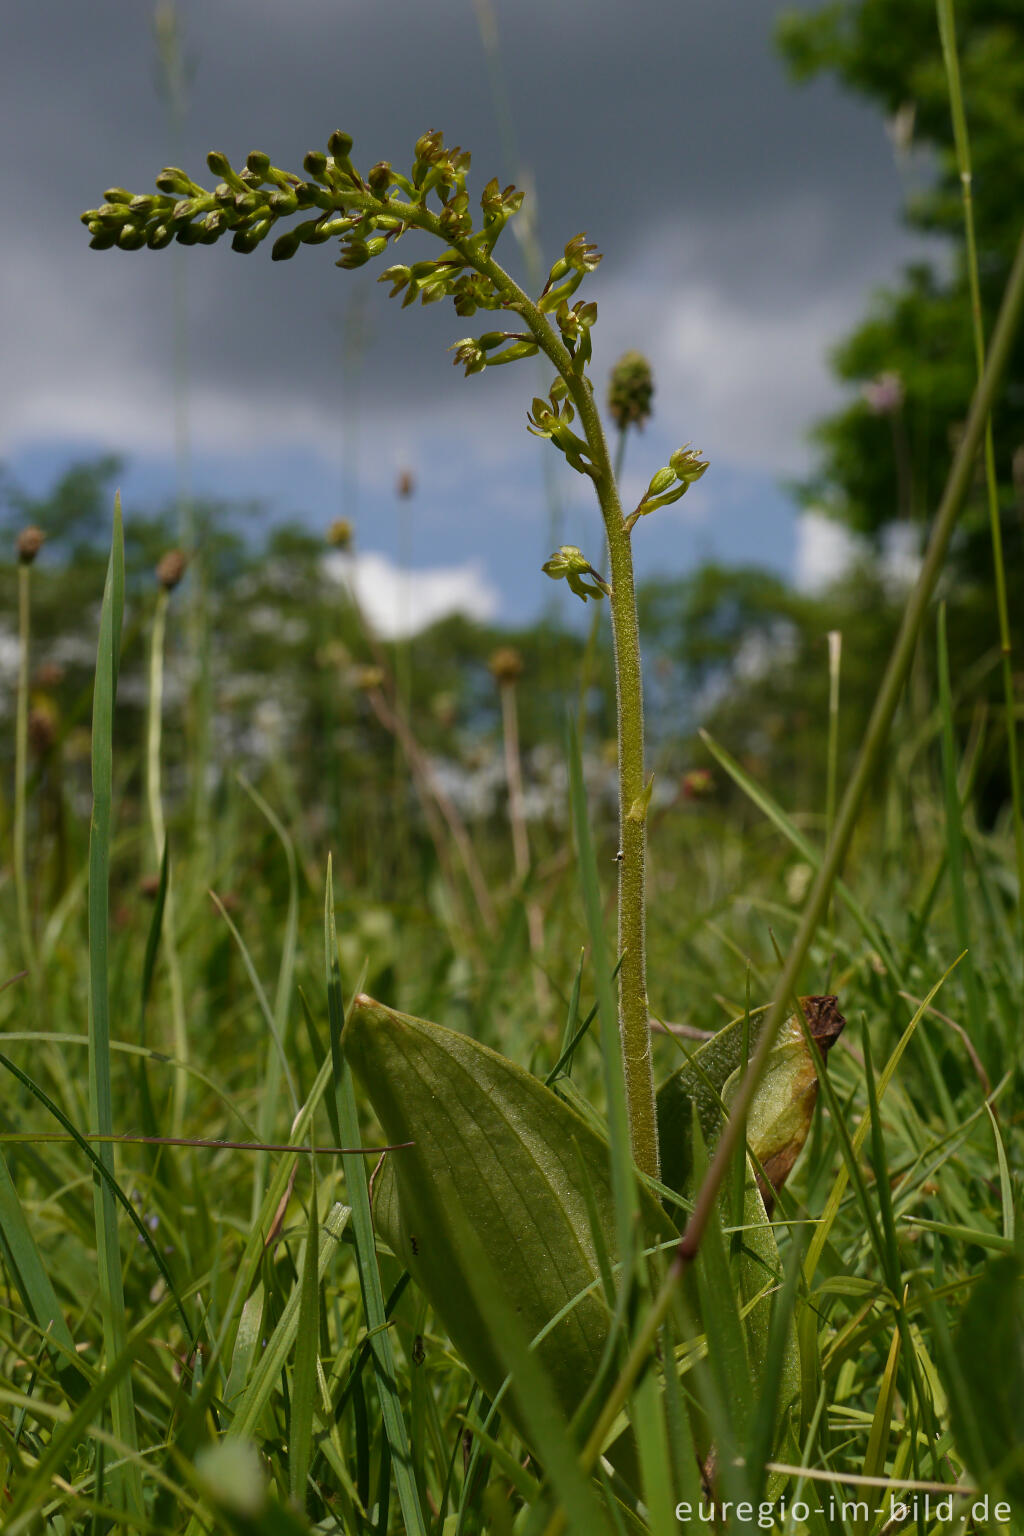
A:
{"points": [[366, 1255], [126, 1483]]}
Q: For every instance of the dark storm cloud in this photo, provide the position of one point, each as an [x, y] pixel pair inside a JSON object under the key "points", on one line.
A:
{"points": [[742, 221]]}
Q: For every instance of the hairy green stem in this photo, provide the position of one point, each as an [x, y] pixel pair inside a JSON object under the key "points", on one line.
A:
{"points": [[633, 1012], [28, 949]]}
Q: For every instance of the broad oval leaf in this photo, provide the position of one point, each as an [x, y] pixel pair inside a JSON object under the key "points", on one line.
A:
{"points": [[497, 1150]]}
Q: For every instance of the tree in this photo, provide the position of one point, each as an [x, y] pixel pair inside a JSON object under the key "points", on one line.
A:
{"points": [[885, 456]]}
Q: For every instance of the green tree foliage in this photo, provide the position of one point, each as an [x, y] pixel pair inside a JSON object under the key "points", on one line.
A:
{"points": [[885, 456]]}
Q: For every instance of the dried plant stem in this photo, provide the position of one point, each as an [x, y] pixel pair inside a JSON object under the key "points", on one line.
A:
{"points": [[158, 832], [28, 948]]}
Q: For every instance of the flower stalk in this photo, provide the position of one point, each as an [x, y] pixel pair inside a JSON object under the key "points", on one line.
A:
{"points": [[369, 214]]}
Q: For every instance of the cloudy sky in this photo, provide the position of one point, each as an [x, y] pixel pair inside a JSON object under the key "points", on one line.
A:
{"points": [[744, 224]]}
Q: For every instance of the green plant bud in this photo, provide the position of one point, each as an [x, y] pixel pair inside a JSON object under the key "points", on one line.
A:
{"points": [[245, 241], [113, 214], [285, 246], [143, 204], [312, 232], [430, 146], [315, 164], [378, 178], [131, 237], [188, 207], [188, 234], [222, 193], [220, 166], [283, 203], [102, 239], [660, 482], [354, 253], [630, 391], [570, 564], [217, 221], [206, 236], [490, 197], [397, 276], [173, 180], [340, 145], [159, 235], [117, 195], [304, 194], [469, 355], [258, 164], [249, 202], [688, 464]]}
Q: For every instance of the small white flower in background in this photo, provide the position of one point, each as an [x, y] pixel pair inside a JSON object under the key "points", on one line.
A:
{"points": [[884, 395], [798, 879], [232, 1473]]}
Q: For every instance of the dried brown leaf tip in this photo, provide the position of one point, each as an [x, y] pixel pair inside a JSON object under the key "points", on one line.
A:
{"points": [[824, 1020]]}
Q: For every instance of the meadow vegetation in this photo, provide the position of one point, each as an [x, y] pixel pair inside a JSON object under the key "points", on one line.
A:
{"points": [[669, 1238]]}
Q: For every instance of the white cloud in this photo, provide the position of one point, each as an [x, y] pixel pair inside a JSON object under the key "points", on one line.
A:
{"points": [[824, 551], [399, 603]]}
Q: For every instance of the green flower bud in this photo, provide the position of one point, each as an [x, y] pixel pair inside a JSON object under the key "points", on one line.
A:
{"points": [[249, 202], [379, 178], [188, 234], [469, 354], [688, 464], [340, 145], [660, 482], [159, 235], [354, 253], [630, 391], [131, 237], [398, 276], [245, 241], [117, 195], [102, 239], [259, 164], [220, 165], [312, 232], [570, 564], [430, 146], [315, 165], [284, 202], [285, 246], [173, 180]]}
